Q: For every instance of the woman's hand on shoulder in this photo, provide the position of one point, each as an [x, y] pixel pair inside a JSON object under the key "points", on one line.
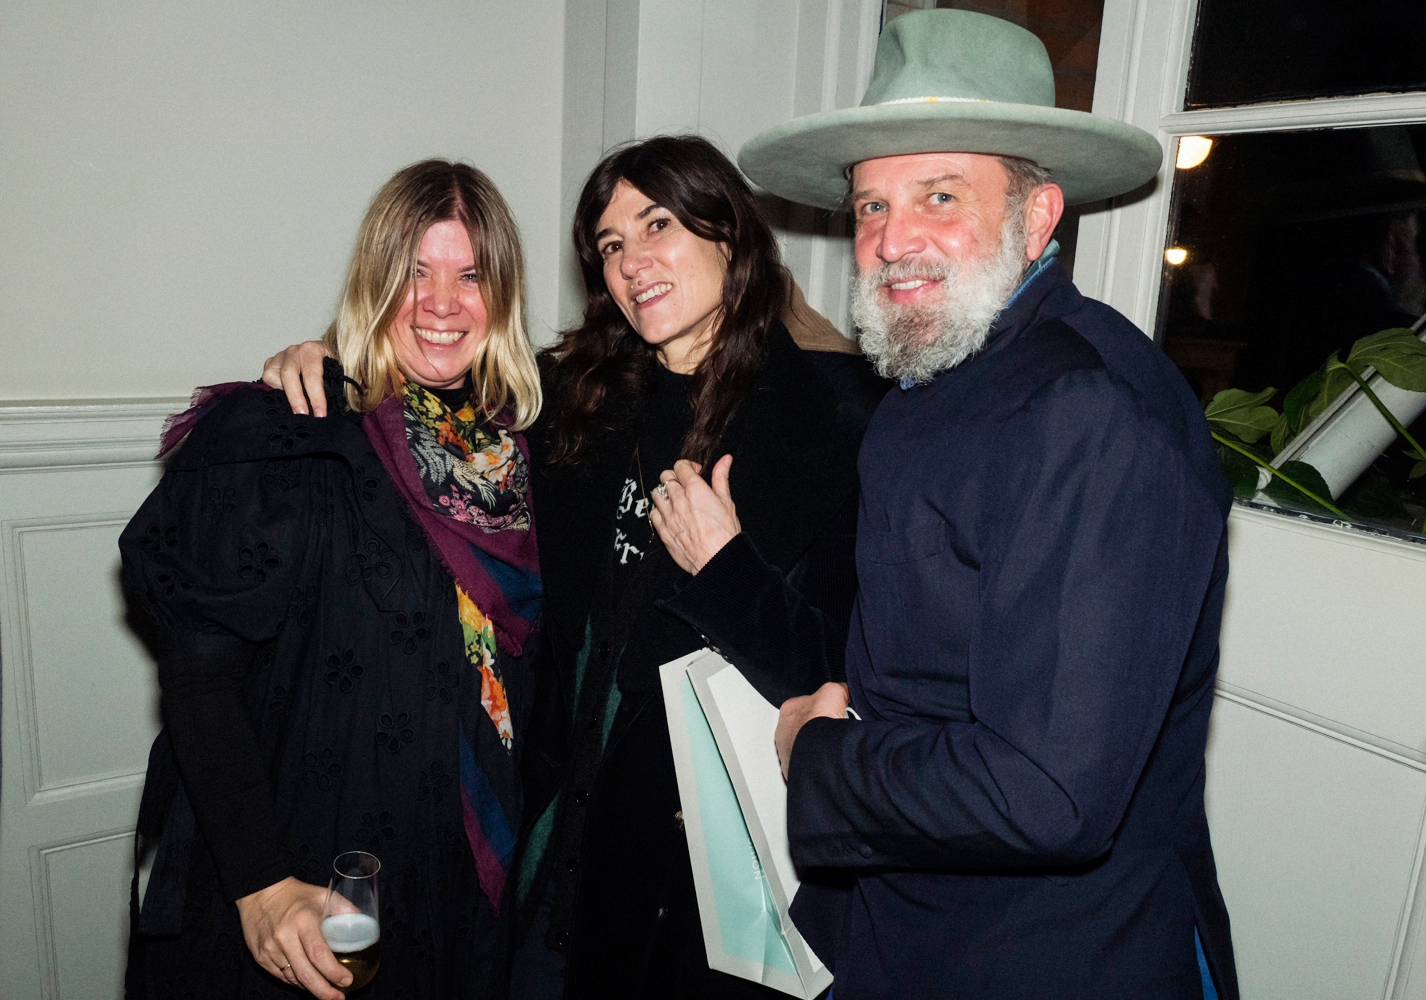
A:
{"points": [[694, 520], [296, 370], [282, 926]]}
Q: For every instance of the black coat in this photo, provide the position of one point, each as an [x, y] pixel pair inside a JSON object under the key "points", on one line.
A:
{"points": [[775, 601], [314, 689], [1042, 558]]}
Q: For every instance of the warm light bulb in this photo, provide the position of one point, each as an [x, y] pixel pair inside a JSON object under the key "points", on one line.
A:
{"points": [[1175, 255], [1192, 150]]}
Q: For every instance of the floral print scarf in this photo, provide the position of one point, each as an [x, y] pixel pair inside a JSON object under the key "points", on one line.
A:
{"points": [[467, 482]]}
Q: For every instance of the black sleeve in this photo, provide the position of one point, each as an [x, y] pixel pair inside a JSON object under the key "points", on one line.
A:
{"points": [[212, 557], [787, 634]]}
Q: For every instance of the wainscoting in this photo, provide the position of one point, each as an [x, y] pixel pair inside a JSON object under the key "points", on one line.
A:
{"points": [[1317, 760], [80, 702]]}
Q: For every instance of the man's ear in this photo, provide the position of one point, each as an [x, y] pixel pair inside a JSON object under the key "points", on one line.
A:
{"points": [[1042, 214]]}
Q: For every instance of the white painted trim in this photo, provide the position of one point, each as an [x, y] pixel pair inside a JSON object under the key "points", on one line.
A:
{"points": [[46, 932], [1335, 533], [17, 644], [36, 436], [1322, 726], [1383, 109]]}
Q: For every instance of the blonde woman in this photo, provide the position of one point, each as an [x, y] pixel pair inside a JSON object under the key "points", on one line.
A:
{"points": [[340, 610]]}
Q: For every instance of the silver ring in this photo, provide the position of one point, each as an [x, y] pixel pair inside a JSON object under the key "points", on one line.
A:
{"points": [[662, 490]]}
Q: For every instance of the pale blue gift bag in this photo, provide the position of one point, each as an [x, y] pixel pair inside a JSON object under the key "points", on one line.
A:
{"points": [[734, 814]]}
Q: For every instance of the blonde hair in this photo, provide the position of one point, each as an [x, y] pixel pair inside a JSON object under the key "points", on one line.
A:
{"points": [[381, 276]]}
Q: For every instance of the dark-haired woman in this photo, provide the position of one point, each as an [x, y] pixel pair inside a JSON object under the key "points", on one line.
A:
{"points": [[694, 481], [681, 365]]}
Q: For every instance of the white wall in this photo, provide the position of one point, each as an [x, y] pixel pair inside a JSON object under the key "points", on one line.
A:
{"points": [[726, 69], [181, 182]]}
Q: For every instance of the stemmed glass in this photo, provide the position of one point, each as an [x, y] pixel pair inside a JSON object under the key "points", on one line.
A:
{"points": [[350, 916]]}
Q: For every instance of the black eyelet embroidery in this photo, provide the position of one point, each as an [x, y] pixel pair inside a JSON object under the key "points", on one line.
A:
{"points": [[376, 829], [322, 504], [168, 584], [323, 768], [344, 671], [282, 478], [303, 862], [373, 561], [287, 436], [303, 606], [435, 782], [391, 923], [416, 543], [367, 485], [278, 699], [441, 683], [157, 538], [409, 632], [218, 504], [423, 948], [256, 561], [394, 731]]}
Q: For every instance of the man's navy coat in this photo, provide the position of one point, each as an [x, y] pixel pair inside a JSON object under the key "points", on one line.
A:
{"points": [[1041, 559]]}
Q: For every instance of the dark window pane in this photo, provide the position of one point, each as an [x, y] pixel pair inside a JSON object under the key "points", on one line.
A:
{"points": [[1286, 248], [1247, 51]]}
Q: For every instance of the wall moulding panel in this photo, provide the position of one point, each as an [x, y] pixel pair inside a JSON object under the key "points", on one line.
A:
{"points": [[91, 678], [79, 933], [1319, 846], [92, 433], [78, 698]]}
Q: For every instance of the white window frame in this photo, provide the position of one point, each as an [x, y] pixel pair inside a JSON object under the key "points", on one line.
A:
{"points": [[1144, 52]]}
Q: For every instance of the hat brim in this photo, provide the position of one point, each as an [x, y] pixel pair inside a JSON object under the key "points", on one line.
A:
{"points": [[1090, 157]]}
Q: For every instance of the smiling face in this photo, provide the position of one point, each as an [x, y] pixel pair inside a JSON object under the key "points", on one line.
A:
{"points": [[939, 249], [926, 214], [443, 318], [667, 281]]}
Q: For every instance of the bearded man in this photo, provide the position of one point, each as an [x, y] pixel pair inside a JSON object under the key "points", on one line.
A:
{"points": [[1018, 811]]}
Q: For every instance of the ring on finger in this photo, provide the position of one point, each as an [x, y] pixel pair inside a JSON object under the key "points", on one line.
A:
{"points": [[662, 490]]}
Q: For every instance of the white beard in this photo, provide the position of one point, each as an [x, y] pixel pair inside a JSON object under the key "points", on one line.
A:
{"points": [[918, 341]]}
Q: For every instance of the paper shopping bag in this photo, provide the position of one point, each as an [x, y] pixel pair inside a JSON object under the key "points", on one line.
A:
{"points": [[735, 816]]}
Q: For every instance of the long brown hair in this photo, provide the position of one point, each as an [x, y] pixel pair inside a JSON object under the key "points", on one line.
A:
{"points": [[380, 278], [605, 360]]}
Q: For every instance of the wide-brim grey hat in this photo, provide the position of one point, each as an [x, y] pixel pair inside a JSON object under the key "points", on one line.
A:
{"points": [[952, 81]]}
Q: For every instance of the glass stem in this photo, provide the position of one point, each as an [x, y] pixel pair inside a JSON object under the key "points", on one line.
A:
{"points": [[1279, 474]]}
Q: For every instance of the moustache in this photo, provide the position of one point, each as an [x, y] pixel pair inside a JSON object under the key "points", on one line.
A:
{"points": [[886, 273]]}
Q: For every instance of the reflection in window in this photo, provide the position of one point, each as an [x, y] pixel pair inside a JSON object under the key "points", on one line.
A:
{"points": [[1281, 50], [1285, 250]]}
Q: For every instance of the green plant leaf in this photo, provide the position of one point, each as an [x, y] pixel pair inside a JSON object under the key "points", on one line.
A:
{"points": [[1241, 413], [1294, 404], [1396, 354], [1282, 433], [1418, 470], [1239, 470], [1330, 383], [1291, 496]]}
